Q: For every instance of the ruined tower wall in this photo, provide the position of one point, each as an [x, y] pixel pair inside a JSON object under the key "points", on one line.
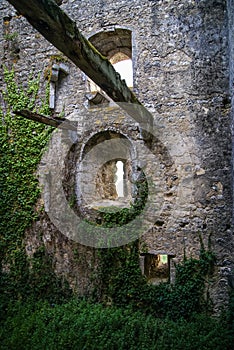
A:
{"points": [[181, 73]]}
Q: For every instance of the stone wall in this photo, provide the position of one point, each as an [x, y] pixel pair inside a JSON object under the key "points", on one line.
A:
{"points": [[180, 53]]}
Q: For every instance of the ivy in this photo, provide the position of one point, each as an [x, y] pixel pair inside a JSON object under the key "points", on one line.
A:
{"points": [[123, 284], [22, 143]]}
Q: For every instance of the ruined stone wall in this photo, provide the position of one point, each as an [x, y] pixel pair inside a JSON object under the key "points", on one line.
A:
{"points": [[180, 54], [231, 55]]}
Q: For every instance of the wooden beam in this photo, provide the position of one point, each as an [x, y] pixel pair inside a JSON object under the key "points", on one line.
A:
{"points": [[52, 121], [55, 25]]}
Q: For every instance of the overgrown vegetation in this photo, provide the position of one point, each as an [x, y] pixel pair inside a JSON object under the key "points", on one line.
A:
{"points": [[22, 143], [81, 325], [124, 284], [34, 307]]}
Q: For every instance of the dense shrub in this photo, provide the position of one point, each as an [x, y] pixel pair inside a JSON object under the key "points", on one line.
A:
{"points": [[80, 325]]}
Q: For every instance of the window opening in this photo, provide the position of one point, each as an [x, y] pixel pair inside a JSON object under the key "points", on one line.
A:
{"points": [[110, 181], [103, 182], [116, 45], [156, 267], [119, 183], [123, 65]]}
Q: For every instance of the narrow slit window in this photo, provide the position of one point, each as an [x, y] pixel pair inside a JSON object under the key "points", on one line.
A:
{"points": [[120, 178]]}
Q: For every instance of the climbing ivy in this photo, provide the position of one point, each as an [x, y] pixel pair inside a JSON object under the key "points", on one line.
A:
{"points": [[21, 142], [123, 284]]}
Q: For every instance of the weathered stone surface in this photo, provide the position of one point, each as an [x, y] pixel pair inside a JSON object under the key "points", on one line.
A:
{"points": [[183, 63], [62, 32]]}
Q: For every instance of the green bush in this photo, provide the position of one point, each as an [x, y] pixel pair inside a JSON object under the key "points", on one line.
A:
{"points": [[80, 325]]}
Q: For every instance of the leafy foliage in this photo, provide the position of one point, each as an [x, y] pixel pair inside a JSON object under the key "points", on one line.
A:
{"points": [[124, 284], [21, 143], [81, 325]]}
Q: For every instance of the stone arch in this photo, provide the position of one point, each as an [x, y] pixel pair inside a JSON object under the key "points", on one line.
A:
{"points": [[116, 45], [114, 41], [96, 169]]}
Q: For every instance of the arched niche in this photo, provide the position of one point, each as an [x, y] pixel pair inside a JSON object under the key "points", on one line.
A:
{"points": [[97, 170]]}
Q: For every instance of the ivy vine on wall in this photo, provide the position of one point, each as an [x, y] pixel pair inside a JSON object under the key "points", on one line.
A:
{"points": [[21, 142], [123, 284]]}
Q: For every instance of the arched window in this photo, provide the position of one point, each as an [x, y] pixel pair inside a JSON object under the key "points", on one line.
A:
{"points": [[105, 170], [116, 45]]}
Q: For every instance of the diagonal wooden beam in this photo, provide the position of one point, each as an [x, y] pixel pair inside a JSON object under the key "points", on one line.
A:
{"points": [[55, 25], [52, 121]]}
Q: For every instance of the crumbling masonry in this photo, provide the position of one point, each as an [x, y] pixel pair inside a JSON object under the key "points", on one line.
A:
{"points": [[182, 57]]}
